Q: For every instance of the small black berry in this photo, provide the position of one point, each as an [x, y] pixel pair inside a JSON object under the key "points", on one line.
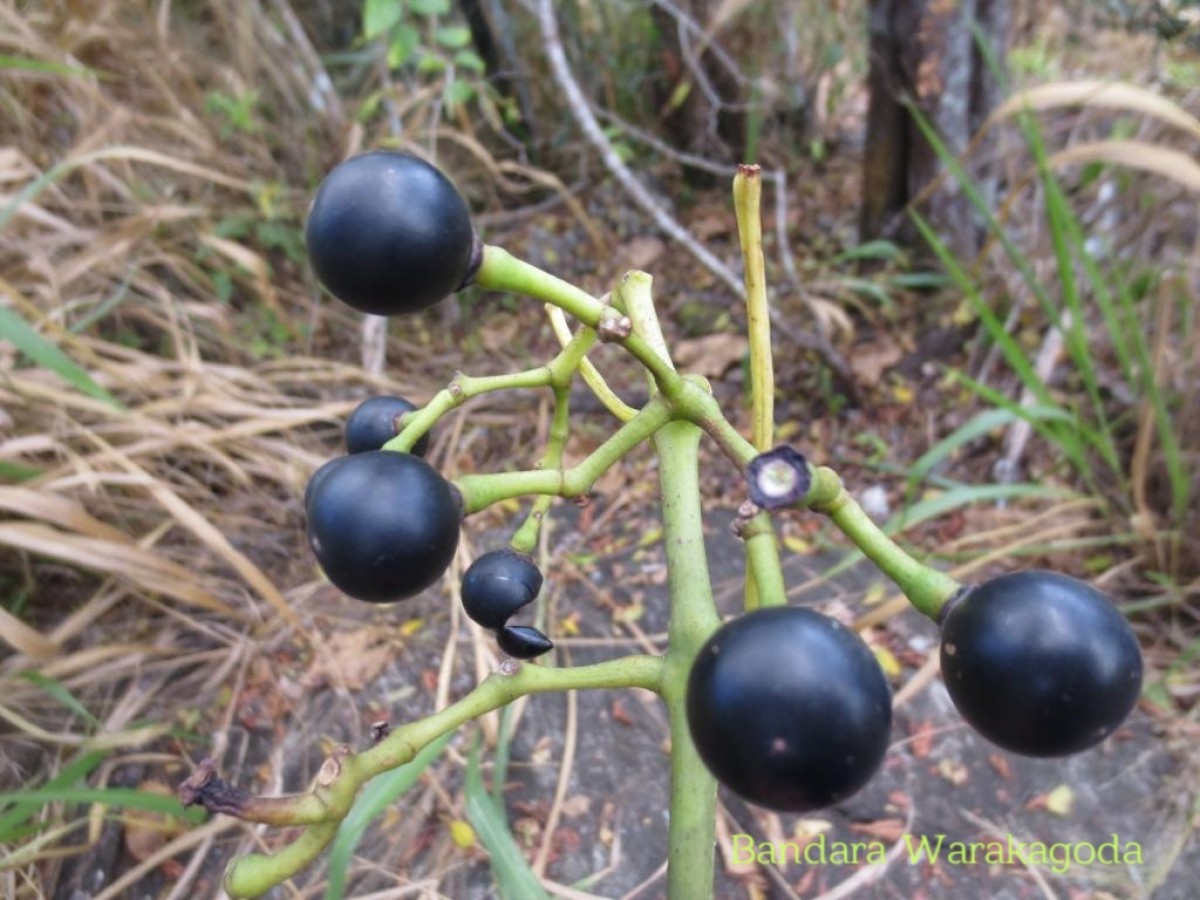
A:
{"points": [[523, 641], [373, 424], [497, 584]]}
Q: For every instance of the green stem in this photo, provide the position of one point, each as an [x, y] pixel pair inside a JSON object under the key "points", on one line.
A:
{"points": [[762, 562], [526, 537], [482, 490], [747, 200], [463, 387], [255, 874], [634, 294], [693, 618], [747, 203], [501, 271], [927, 589]]}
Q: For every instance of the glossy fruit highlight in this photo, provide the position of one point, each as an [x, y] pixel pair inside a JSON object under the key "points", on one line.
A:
{"points": [[523, 641], [789, 709], [1040, 663], [373, 424], [497, 584], [383, 525], [389, 234]]}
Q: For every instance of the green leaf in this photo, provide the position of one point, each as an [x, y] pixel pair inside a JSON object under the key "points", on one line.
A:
{"points": [[379, 16], [469, 60], [459, 92], [514, 878], [430, 62], [405, 41], [430, 7], [383, 791], [453, 37], [878, 249], [46, 354]]}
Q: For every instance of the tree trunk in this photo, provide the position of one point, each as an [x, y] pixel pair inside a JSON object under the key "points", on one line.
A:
{"points": [[924, 51]]}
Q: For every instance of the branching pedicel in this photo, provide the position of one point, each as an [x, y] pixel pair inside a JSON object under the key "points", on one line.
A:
{"points": [[805, 727]]}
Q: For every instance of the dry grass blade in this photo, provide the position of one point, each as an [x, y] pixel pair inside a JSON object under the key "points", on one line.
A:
{"points": [[1165, 161], [1102, 94], [24, 639], [145, 569]]}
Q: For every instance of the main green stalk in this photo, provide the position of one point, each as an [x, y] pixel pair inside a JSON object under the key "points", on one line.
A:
{"points": [[692, 831]]}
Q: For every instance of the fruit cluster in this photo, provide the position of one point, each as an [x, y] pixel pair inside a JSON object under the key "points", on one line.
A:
{"points": [[787, 708]]}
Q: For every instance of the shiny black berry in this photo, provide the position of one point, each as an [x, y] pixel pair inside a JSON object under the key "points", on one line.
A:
{"points": [[373, 424], [389, 234], [1040, 663], [498, 584], [789, 709], [383, 525], [318, 476], [523, 641]]}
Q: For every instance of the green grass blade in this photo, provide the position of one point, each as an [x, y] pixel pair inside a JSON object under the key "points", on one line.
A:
{"points": [[57, 691], [16, 814], [878, 249], [125, 798], [500, 758], [514, 878], [15, 472], [967, 495], [381, 793], [14, 329], [1060, 216], [983, 209], [1012, 351], [27, 64], [975, 427]]}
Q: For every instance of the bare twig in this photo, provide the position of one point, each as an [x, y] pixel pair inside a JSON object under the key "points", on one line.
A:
{"points": [[583, 115]]}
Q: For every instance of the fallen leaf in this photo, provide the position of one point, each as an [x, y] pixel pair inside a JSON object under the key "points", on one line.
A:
{"points": [[1000, 764], [712, 355], [351, 658], [954, 772], [922, 739], [887, 830], [642, 252], [577, 805], [148, 832], [462, 834], [871, 358]]}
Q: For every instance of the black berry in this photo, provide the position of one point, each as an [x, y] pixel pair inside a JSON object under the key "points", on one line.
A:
{"points": [[497, 584], [373, 424], [523, 641], [383, 525], [789, 709], [1040, 663], [389, 234]]}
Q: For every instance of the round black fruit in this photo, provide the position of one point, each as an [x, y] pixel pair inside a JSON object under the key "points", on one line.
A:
{"points": [[389, 234], [318, 476], [523, 641], [383, 525], [1040, 663], [789, 709], [498, 584], [373, 424]]}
